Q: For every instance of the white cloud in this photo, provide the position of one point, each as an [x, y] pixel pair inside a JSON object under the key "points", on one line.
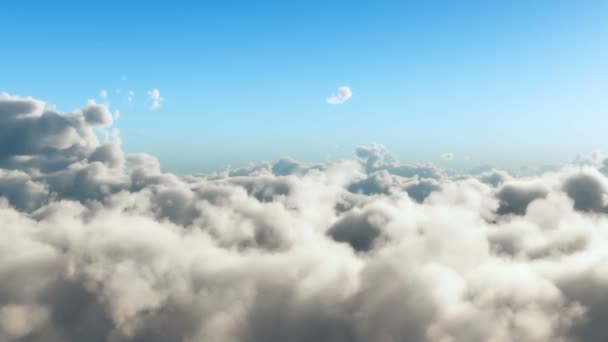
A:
{"points": [[154, 96], [98, 244], [342, 95], [130, 95], [103, 94]]}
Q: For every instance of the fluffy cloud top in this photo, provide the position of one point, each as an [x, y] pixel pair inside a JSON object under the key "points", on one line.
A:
{"points": [[97, 114], [341, 95], [102, 246]]}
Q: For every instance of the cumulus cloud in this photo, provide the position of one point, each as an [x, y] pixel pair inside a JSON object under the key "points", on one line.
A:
{"points": [[97, 114], [376, 157], [99, 245], [515, 196], [494, 177], [341, 95], [154, 97]]}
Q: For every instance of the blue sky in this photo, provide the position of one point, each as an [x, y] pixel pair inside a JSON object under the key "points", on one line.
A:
{"points": [[508, 83]]}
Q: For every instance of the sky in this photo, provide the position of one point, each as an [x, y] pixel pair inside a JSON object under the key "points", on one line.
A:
{"points": [[203, 85], [129, 210]]}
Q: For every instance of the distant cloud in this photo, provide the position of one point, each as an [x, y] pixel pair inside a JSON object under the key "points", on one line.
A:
{"points": [[342, 95], [103, 94], [447, 156], [130, 95], [154, 96]]}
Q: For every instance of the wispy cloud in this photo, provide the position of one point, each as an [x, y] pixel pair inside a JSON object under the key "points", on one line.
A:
{"points": [[342, 94]]}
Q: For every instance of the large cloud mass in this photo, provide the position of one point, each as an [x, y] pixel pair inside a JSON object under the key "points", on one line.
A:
{"points": [[102, 246]]}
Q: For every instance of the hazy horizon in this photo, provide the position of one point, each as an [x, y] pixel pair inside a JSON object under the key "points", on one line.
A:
{"points": [[204, 85]]}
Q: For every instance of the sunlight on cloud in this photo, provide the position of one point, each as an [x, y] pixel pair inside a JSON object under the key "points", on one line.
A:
{"points": [[342, 95]]}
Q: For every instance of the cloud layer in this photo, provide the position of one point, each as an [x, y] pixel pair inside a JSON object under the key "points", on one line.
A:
{"points": [[102, 246]]}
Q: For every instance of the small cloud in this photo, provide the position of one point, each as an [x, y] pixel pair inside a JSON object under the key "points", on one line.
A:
{"points": [[97, 114], [116, 115], [154, 96], [340, 96], [103, 94], [447, 156], [130, 95]]}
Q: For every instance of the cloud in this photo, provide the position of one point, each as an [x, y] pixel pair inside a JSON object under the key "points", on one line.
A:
{"points": [[154, 96], [103, 94], [341, 95], [376, 157], [494, 177], [100, 245], [19, 320], [36, 139], [588, 191], [515, 196], [97, 114], [130, 95], [447, 156]]}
